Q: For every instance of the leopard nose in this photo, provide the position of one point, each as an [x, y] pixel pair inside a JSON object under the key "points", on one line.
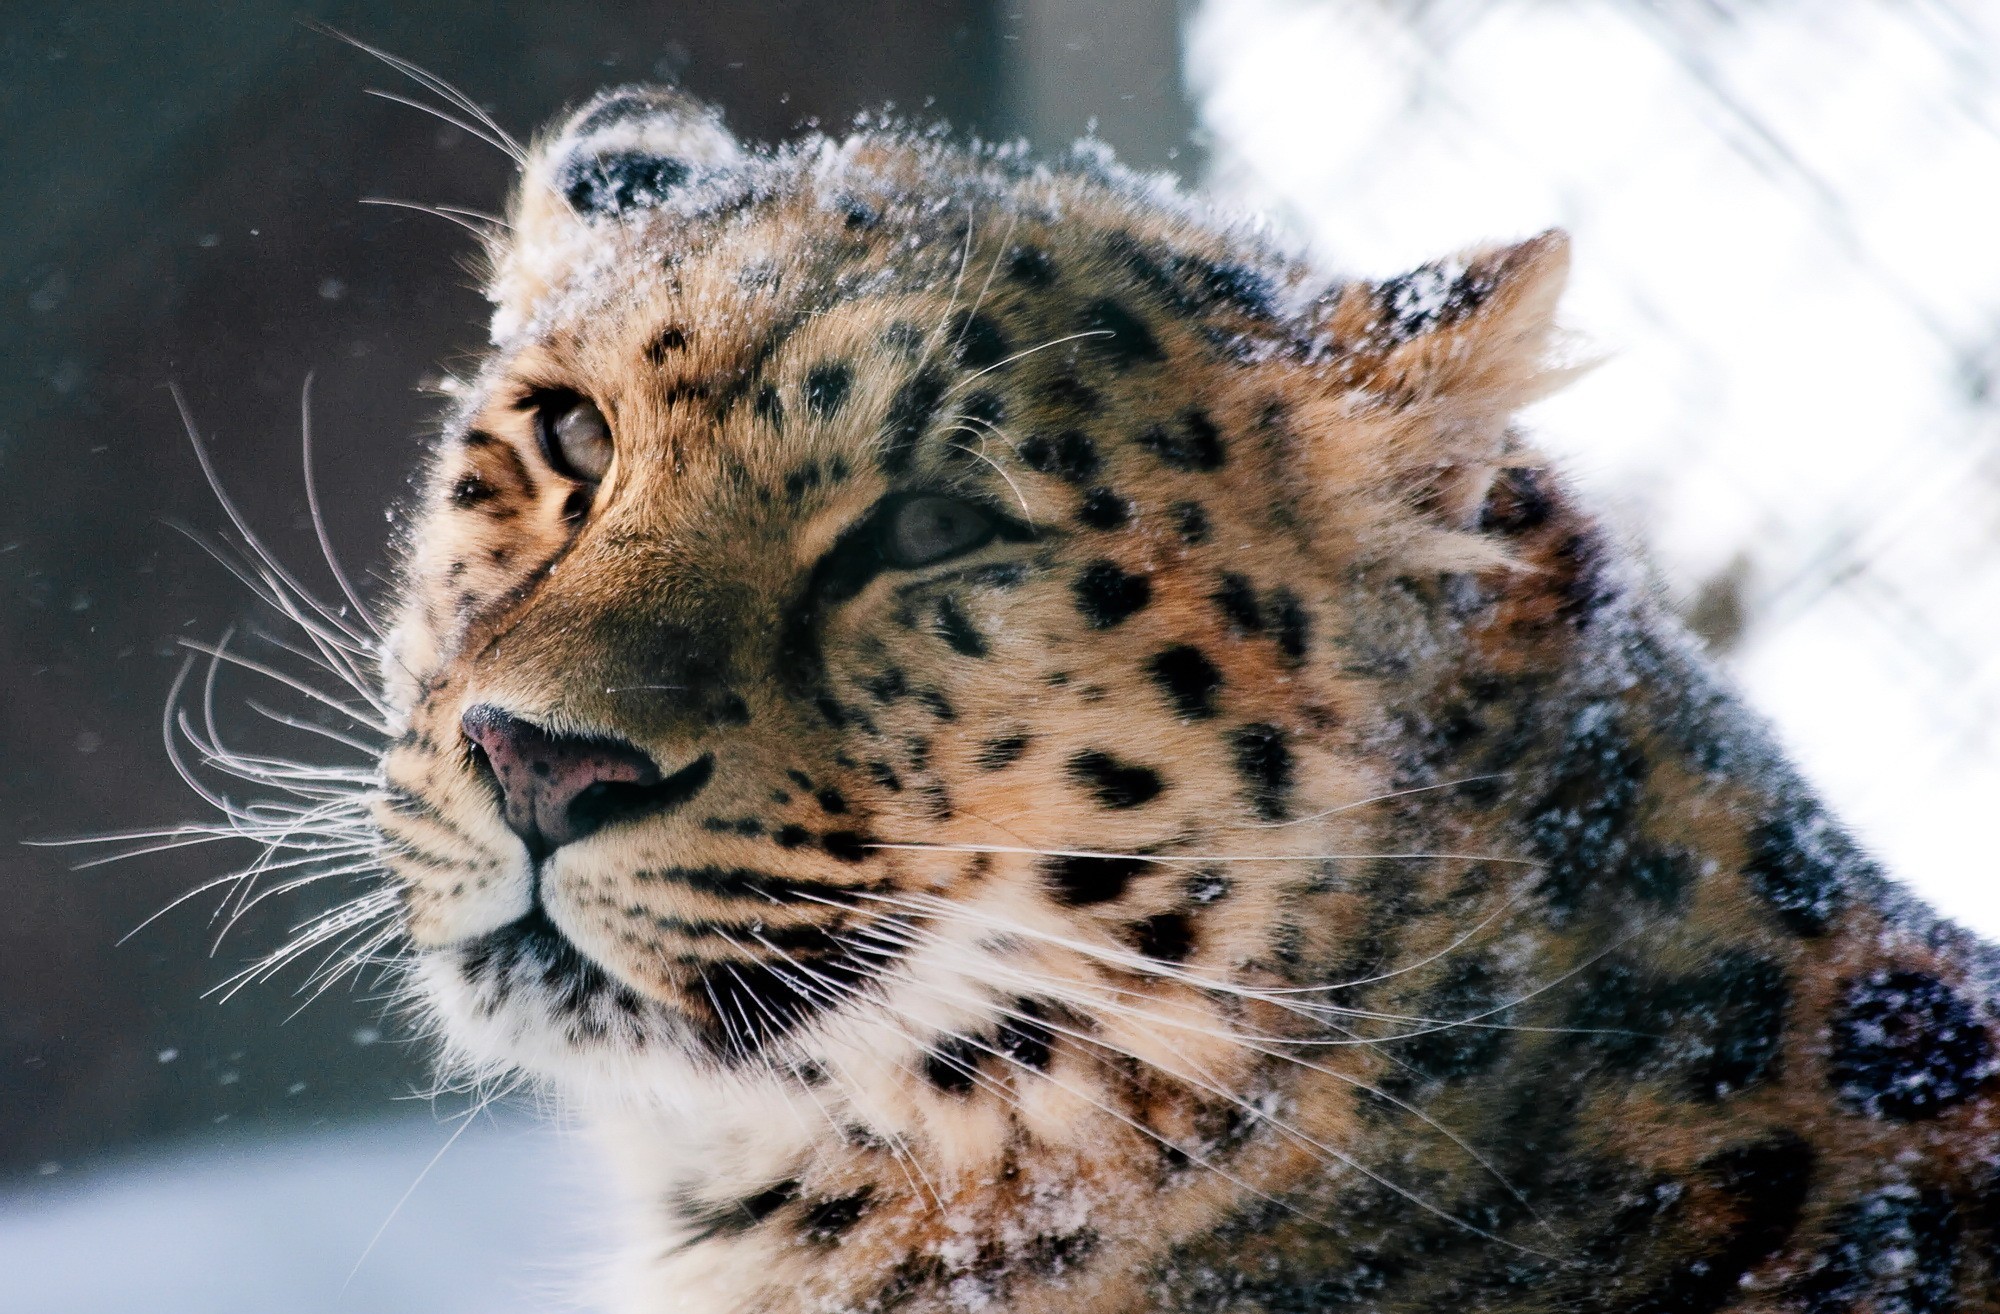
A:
{"points": [[555, 788]]}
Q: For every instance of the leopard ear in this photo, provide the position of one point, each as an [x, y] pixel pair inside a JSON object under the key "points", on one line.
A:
{"points": [[1422, 375], [628, 152], [1464, 337]]}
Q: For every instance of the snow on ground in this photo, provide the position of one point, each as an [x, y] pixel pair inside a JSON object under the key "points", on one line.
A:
{"points": [[1782, 216], [499, 1225]]}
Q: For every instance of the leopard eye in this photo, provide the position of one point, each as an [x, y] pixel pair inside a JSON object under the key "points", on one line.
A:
{"points": [[929, 528], [575, 437]]}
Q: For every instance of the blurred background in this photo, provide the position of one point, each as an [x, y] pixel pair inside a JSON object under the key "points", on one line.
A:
{"points": [[1783, 213]]}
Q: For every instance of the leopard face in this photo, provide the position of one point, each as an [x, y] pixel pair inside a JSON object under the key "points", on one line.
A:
{"points": [[867, 622]]}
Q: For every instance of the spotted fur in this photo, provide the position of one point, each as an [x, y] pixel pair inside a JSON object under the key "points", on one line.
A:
{"points": [[1297, 867]]}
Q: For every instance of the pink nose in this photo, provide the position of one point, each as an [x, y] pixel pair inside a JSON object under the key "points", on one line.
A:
{"points": [[555, 789]]}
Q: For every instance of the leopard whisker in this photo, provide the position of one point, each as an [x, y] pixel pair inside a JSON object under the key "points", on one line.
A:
{"points": [[977, 375], [1042, 988], [500, 138], [996, 467], [320, 531], [1329, 1154], [1366, 802], [469, 225], [1185, 859], [242, 525]]}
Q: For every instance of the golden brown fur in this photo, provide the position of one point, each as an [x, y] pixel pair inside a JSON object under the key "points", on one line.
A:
{"points": [[1292, 865]]}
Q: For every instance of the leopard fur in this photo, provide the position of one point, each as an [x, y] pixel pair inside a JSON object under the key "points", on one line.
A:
{"points": [[1298, 866]]}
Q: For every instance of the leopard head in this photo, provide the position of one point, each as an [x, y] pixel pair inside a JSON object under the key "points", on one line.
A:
{"points": [[878, 618]]}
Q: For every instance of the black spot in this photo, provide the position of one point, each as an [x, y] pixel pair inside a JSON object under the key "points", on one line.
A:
{"points": [[1068, 455], [728, 709], [912, 1274], [979, 343], [1054, 1253], [1579, 829], [910, 412], [983, 408], [1104, 509], [827, 386], [1659, 876], [739, 1215], [825, 1220], [1468, 1032], [995, 754], [1723, 1026], [770, 407], [1190, 284], [1264, 760], [1190, 522], [845, 845], [1166, 936], [1897, 1249], [1195, 445], [830, 800], [952, 1065], [1799, 860], [688, 390], [1081, 881], [1516, 503], [1023, 1038], [1906, 1047], [1740, 1004], [1580, 563], [1207, 886], [755, 1003], [617, 181], [1030, 266], [1106, 595], [888, 686], [1189, 679], [1238, 602], [800, 482], [792, 837], [957, 630], [1429, 297], [937, 704], [859, 216], [665, 343], [1067, 392], [1765, 1185], [470, 491], [1121, 337], [1116, 784], [1246, 289], [1294, 626]]}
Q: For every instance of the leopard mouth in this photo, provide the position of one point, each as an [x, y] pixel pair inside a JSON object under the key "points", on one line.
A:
{"points": [[533, 951]]}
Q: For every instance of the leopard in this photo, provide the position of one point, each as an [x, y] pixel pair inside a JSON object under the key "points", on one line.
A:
{"points": [[1004, 741]]}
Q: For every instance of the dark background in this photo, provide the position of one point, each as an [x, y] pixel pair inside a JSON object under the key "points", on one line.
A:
{"points": [[179, 188]]}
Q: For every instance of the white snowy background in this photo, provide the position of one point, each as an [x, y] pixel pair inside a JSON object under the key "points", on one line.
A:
{"points": [[1784, 216], [370, 1219]]}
